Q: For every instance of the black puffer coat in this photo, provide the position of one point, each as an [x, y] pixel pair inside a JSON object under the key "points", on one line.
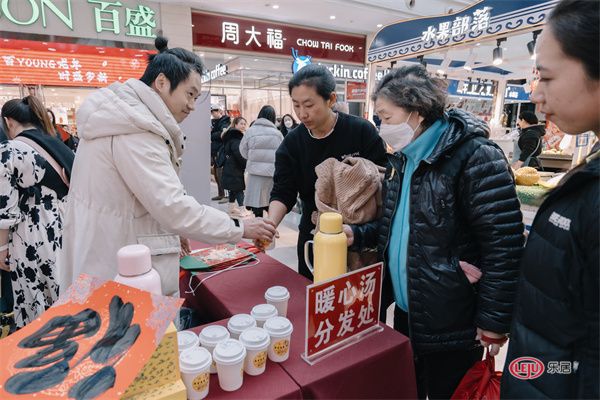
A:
{"points": [[530, 144], [463, 206], [556, 312], [235, 164], [218, 126]]}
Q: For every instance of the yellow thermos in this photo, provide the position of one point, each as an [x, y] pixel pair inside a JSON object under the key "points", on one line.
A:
{"points": [[330, 248]]}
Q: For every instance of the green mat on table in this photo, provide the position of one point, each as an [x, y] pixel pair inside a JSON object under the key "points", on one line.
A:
{"points": [[532, 195]]}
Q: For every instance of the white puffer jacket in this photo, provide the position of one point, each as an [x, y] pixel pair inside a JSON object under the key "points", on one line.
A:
{"points": [[259, 145], [125, 188]]}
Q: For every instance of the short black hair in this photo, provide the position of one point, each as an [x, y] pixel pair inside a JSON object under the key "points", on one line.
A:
{"points": [[267, 112], [176, 64], [575, 25], [316, 76], [529, 117], [415, 90]]}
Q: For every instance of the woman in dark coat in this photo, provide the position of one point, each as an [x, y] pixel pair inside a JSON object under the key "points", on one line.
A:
{"points": [[530, 141], [234, 168], [451, 233], [554, 347]]}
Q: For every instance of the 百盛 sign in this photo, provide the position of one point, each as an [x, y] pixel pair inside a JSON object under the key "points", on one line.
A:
{"points": [[341, 309]]}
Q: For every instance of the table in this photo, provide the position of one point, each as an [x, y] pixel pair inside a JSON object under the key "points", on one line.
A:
{"points": [[380, 366], [274, 383], [556, 161]]}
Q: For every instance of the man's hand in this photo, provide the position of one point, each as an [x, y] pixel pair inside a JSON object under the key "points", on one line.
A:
{"points": [[493, 348], [186, 248], [259, 228], [349, 234]]}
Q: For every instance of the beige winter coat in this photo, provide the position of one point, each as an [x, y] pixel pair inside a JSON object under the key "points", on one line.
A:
{"points": [[125, 188]]}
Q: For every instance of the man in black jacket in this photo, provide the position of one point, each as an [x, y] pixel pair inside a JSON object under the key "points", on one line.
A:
{"points": [[530, 141], [220, 123]]}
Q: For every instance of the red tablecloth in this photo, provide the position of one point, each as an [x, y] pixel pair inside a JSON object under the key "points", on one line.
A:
{"points": [[380, 366], [274, 383]]}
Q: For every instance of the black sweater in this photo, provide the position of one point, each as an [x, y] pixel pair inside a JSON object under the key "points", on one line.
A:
{"points": [[300, 153]]}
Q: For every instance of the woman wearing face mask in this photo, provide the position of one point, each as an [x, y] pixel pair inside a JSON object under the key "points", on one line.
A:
{"points": [[449, 205], [287, 124]]}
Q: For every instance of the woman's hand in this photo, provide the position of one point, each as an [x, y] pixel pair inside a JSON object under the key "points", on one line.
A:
{"points": [[349, 234], [491, 340]]}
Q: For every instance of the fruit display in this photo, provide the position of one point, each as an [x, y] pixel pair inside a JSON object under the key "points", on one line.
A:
{"points": [[527, 176]]}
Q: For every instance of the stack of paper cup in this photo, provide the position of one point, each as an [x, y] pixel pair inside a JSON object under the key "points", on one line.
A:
{"points": [[229, 356], [256, 341], [278, 296], [263, 312], [194, 365], [280, 330], [239, 323], [210, 337], [187, 340]]}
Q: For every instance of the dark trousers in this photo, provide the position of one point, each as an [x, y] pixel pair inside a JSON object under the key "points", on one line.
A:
{"points": [[218, 173], [438, 374], [239, 196], [303, 270], [258, 211]]}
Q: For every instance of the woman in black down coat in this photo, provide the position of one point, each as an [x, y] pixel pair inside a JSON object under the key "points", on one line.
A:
{"points": [[556, 313], [234, 168], [451, 233]]}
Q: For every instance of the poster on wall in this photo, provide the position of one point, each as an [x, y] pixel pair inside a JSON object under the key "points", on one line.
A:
{"points": [[356, 91], [91, 344]]}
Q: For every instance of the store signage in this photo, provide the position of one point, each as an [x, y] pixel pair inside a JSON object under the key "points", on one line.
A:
{"points": [[226, 32], [342, 309], [347, 72], [219, 71], [82, 69], [129, 20], [485, 90], [380, 73], [299, 61], [356, 91], [485, 20]]}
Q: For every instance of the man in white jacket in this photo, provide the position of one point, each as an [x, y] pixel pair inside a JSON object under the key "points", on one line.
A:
{"points": [[125, 187]]}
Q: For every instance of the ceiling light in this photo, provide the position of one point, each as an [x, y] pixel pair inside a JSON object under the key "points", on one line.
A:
{"points": [[193, 25], [201, 54], [497, 52], [379, 25], [275, 6], [531, 45], [332, 17]]}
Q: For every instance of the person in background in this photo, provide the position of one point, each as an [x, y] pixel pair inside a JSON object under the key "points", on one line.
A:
{"points": [[287, 124], [234, 168], [220, 122], [61, 133], [34, 174], [341, 107], [322, 134], [125, 187], [258, 146], [451, 232], [530, 144], [557, 304]]}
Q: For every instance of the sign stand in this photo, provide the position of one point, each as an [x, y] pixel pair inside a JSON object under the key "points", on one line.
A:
{"points": [[341, 312]]}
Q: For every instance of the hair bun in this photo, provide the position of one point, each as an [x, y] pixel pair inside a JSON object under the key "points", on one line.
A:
{"points": [[161, 43]]}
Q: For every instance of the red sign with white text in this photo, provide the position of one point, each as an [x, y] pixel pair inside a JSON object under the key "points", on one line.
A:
{"points": [[342, 308], [58, 64], [225, 32], [356, 91]]}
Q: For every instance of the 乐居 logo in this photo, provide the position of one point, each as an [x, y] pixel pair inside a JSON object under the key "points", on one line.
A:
{"points": [[526, 368]]}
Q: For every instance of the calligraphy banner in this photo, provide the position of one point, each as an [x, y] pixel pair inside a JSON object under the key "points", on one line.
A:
{"points": [[341, 310], [91, 344]]}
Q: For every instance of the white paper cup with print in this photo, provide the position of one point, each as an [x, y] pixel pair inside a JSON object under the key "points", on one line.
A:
{"points": [[239, 323], [194, 364], [280, 330], [210, 337], [229, 356], [256, 341], [262, 312], [278, 296], [187, 340]]}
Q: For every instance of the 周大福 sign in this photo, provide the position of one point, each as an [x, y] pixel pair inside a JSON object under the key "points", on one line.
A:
{"points": [[233, 33], [123, 20]]}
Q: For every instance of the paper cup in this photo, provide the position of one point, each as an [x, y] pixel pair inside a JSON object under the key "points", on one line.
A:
{"points": [[187, 340], [278, 296], [280, 330], [194, 365], [229, 356], [239, 323], [256, 341], [210, 337], [263, 312]]}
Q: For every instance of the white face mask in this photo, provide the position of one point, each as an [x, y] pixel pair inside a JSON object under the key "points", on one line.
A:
{"points": [[397, 136], [288, 124]]}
